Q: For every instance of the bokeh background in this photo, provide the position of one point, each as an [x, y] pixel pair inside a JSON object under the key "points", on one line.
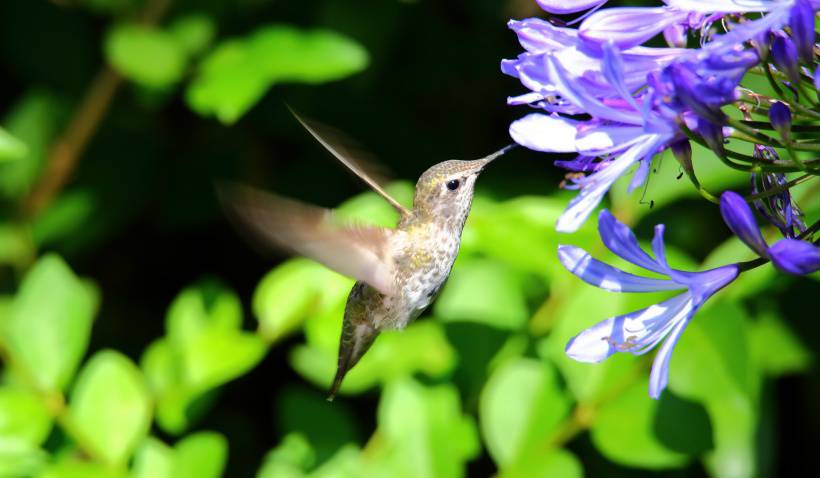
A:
{"points": [[142, 336]]}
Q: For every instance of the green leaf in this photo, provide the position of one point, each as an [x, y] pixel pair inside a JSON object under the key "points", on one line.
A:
{"points": [[110, 406], [483, 291], [18, 457], [422, 346], [623, 432], [201, 455], [16, 247], [550, 464], [237, 73], [146, 55], [23, 416], [65, 216], [204, 349], [193, 32], [153, 459], [11, 148], [307, 412], [48, 338], [775, 347], [74, 467], [424, 431], [521, 407], [290, 459], [291, 292], [35, 121]]}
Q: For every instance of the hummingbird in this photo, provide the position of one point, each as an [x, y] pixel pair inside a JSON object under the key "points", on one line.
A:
{"points": [[399, 271]]}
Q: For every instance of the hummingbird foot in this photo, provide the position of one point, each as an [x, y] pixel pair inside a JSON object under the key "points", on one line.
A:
{"points": [[355, 341]]}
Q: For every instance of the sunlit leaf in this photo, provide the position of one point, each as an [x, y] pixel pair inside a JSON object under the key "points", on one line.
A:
{"points": [[292, 458], [545, 464], [291, 292], [483, 291], [73, 467], [146, 55], [48, 338], [193, 32], [201, 455], [238, 72], [23, 416], [521, 407], [34, 121], [11, 148], [623, 432], [110, 406], [153, 459], [424, 431]]}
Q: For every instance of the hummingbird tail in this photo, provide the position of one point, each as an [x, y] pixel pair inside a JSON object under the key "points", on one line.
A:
{"points": [[355, 341]]}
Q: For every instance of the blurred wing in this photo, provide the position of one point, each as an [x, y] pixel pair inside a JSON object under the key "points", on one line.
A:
{"points": [[332, 143], [358, 252]]}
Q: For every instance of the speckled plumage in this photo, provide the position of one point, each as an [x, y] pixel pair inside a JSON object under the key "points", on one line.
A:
{"points": [[423, 247]]}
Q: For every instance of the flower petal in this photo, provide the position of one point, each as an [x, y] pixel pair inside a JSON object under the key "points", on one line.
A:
{"points": [[738, 216], [795, 256], [599, 274], [659, 376], [547, 133], [537, 35], [710, 6], [567, 6], [596, 185], [628, 26], [619, 239], [635, 332]]}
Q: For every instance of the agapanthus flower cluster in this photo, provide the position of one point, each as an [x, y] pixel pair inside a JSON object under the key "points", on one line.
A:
{"points": [[618, 86]]}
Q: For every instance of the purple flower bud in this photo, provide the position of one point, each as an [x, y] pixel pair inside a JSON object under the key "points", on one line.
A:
{"points": [[713, 135], [741, 221], [795, 257], [784, 54], [683, 153], [801, 21], [675, 35], [781, 118]]}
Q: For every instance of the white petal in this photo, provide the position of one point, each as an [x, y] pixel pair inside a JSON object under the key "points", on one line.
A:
{"points": [[547, 133]]}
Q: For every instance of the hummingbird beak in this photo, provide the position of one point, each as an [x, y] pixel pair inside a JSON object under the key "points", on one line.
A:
{"points": [[488, 159]]}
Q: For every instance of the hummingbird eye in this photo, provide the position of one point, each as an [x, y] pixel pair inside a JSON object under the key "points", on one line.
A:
{"points": [[453, 184]]}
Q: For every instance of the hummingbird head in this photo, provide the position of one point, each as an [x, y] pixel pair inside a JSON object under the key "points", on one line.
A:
{"points": [[445, 191]]}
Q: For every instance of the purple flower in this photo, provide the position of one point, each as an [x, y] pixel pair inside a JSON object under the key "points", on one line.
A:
{"points": [[568, 6], [778, 208], [784, 54], [629, 26], [801, 21], [781, 118], [792, 256], [640, 331]]}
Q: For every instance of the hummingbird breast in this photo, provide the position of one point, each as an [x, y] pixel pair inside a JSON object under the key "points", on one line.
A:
{"points": [[423, 256]]}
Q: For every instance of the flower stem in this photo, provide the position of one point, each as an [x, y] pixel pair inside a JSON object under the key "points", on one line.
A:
{"points": [[779, 189]]}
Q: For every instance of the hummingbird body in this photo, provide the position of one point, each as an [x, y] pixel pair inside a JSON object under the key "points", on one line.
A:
{"points": [[399, 271]]}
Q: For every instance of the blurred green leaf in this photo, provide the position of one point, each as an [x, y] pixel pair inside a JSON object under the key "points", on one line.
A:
{"points": [[201, 455], [65, 216], [11, 148], [23, 416], [193, 32], [34, 120], [346, 463], [307, 412], [521, 407], [73, 467], [25, 423], [111, 7], [47, 338], [483, 291], [423, 431], [775, 347], [204, 348], [292, 458], [153, 459], [237, 73], [682, 425], [110, 406], [422, 346], [16, 247], [146, 55], [548, 464], [292, 291], [623, 432]]}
